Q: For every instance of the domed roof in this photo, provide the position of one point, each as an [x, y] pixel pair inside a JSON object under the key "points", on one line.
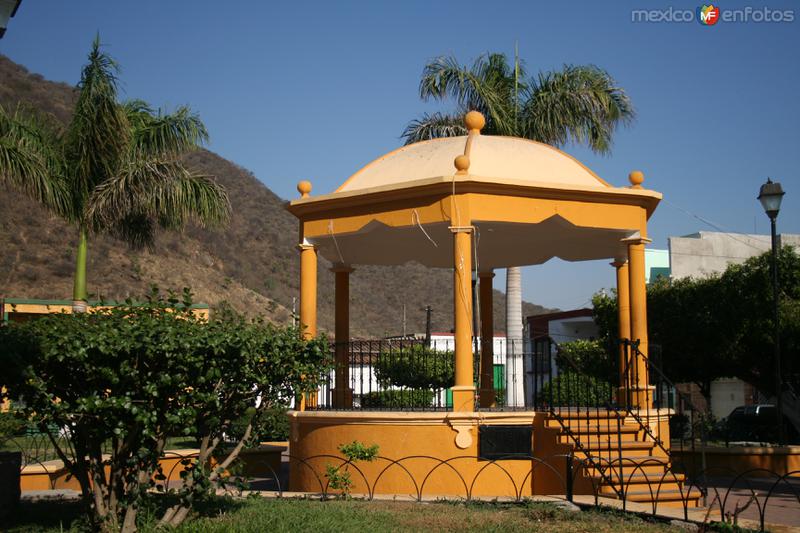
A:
{"points": [[491, 158]]}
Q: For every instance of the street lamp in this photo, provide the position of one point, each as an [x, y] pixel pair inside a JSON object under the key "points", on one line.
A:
{"points": [[770, 196], [8, 8]]}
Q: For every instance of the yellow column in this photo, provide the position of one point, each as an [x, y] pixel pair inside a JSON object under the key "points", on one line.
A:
{"points": [[624, 319], [640, 390], [308, 305], [487, 339], [342, 393], [308, 290], [464, 389]]}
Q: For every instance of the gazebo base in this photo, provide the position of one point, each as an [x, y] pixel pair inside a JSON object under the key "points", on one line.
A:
{"points": [[603, 452], [424, 453]]}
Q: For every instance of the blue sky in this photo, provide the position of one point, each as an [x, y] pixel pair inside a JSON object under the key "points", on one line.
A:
{"points": [[314, 90]]}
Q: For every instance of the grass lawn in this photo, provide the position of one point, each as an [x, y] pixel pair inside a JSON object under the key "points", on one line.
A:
{"points": [[274, 515]]}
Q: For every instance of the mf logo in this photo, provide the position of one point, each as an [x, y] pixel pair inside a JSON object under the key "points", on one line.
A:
{"points": [[708, 15]]}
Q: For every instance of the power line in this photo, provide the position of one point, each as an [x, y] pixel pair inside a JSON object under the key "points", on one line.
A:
{"points": [[717, 227]]}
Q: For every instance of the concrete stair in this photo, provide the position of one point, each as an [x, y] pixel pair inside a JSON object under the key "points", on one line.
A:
{"points": [[613, 456]]}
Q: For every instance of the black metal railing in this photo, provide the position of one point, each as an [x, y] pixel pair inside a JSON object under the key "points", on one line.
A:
{"points": [[391, 374], [412, 374], [652, 396], [582, 399], [595, 405]]}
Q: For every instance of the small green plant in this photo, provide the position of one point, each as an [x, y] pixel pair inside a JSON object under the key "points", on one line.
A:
{"points": [[358, 451], [339, 477]]}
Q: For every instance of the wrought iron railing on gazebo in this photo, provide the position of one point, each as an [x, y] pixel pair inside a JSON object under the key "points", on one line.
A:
{"points": [[412, 374]]}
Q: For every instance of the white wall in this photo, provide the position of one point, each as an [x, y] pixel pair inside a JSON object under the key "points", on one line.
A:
{"points": [[446, 342], [727, 394], [708, 252], [570, 329]]}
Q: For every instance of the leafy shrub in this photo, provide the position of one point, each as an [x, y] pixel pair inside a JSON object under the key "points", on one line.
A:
{"points": [[570, 389], [10, 425], [133, 375], [587, 357], [268, 425], [398, 399], [416, 366]]}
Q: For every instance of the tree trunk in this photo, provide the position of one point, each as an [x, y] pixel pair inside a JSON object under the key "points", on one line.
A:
{"points": [[79, 295], [515, 378]]}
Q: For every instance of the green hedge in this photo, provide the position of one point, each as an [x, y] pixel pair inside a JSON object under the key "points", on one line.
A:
{"points": [[416, 367], [576, 390], [398, 399]]}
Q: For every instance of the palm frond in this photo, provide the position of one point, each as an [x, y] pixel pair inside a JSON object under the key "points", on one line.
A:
{"points": [[138, 230], [99, 134], [434, 126], [193, 197], [163, 192], [156, 134], [30, 160], [483, 87], [580, 104]]}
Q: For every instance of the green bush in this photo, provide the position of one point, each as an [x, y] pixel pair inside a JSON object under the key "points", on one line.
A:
{"points": [[267, 425], [588, 357], [576, 390], [398, 399], [416, 367], [131, 376], [10, 425]]}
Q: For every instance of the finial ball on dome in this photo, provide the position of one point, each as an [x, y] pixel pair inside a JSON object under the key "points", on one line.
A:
{"points": [[462, 163], [304, 188], [474, 121], [636, 178]]}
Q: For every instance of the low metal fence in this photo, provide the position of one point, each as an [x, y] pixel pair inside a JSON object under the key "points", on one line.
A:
{"points": [[755, 498]]}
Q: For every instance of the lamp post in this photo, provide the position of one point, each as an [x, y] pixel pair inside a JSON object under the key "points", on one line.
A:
{"points": [[770, 196], [8, 8]]}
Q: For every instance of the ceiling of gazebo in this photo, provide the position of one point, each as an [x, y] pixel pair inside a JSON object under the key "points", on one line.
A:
{"points": [[497, 244]]}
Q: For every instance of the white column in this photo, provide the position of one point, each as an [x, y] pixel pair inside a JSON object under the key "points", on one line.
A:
{"points": [[515, 376]]}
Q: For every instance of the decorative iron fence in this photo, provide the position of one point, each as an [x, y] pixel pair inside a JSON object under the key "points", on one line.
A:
{"points": [[415, 375], [755, 498]]}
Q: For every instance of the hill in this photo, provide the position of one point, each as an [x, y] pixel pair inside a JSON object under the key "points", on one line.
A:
{"points": [[252, 265]]}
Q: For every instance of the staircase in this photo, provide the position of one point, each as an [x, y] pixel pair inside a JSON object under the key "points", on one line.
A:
{"points": [[614, 456]]}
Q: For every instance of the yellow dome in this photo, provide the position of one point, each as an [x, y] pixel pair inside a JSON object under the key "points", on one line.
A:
{"points": [[491, 158]]}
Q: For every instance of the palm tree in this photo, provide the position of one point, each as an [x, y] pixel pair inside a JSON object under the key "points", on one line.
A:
{"points": [[579, 103], [115, 168]]}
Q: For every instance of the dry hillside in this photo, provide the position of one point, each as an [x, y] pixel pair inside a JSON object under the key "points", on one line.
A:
{"points": [[252, 265]]}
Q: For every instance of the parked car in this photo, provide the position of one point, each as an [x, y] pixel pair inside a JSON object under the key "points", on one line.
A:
{"points": [[756, 423]]}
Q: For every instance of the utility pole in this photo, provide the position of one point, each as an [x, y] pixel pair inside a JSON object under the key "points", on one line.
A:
{"points": [[428, 311]]}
